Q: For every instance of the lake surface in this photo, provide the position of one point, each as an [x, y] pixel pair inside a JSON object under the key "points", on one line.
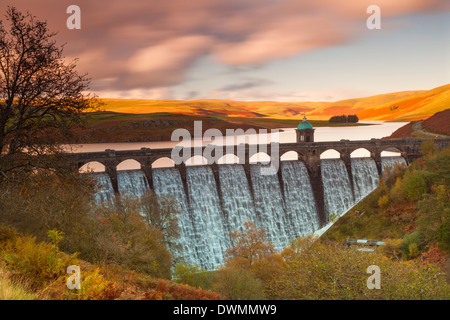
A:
{"points": [[377, 129]]}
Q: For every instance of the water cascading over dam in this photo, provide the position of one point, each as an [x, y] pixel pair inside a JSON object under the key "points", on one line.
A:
{"points": [[284, 204]]}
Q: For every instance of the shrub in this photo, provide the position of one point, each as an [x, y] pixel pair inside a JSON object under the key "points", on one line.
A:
{"points": [[185, 292], [95, 287], [415, 186], [411, 244], [397, 194], [433, 221], [383, 201], [237, 283], [167, 290], [123, 237], [40, 262], [332, 271]]}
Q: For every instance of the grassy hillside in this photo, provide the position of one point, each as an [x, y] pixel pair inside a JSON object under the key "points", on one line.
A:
{"points": [[32, 270], [437, 124], [213, 107], [409, 105], [356, 106], [416, 107]]}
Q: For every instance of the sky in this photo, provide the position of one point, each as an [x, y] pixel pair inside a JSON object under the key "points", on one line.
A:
{"points": [[252, 50]]}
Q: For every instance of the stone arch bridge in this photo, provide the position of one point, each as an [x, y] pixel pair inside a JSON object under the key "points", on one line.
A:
{"points": [[308, 152], [409, 148]]}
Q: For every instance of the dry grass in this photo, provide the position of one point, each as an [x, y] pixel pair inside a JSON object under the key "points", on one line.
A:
{"points": [[14, 288]]}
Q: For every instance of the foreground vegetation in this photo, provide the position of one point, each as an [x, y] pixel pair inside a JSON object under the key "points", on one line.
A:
{"points": [[315, 269], [127, 249], [37, 270]]}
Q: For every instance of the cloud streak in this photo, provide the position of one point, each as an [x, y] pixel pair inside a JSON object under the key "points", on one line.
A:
{"points": [[141, 44], [248, 84]]}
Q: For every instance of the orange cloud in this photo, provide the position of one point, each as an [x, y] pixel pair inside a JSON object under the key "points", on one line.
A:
{"points": [[142, 44]]}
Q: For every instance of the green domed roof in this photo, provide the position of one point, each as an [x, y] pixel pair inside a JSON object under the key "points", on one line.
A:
{"points": [[304, 124]]}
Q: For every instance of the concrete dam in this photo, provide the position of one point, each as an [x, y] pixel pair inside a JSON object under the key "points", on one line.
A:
{"points": [[216, 199], [287, 209]]}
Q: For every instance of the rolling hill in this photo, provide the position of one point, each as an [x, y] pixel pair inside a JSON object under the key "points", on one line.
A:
{"points": [[396, 106]]}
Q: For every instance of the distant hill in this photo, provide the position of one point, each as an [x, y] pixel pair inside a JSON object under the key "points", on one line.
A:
{"points": [[437, 124], [396, 106], [415, 107]]}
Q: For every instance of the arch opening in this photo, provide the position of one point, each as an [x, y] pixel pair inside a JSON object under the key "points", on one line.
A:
{"points": [[92, 166], [289, 155], [129, 164], [196, 161], [391, 152], [330, 154], [164, 162], [228, 159], [360, 153], [260, 157]]}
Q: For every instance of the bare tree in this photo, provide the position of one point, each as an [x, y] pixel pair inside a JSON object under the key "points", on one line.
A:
{"points": [[162, 213], [41, 95]]}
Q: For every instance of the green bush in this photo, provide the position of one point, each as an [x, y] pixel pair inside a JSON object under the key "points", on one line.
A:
{"points": [[383, 201], [237, 283], [434, 217], [416, 185], [411, 244]]}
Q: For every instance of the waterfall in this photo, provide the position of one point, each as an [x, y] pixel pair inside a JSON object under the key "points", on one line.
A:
{"points": [[270, 207], [236, 197], [132, 183], [167, 182], [211, 237], [365, 177], [104, 191], [390, 161], [300, 205], [338, 196]]}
